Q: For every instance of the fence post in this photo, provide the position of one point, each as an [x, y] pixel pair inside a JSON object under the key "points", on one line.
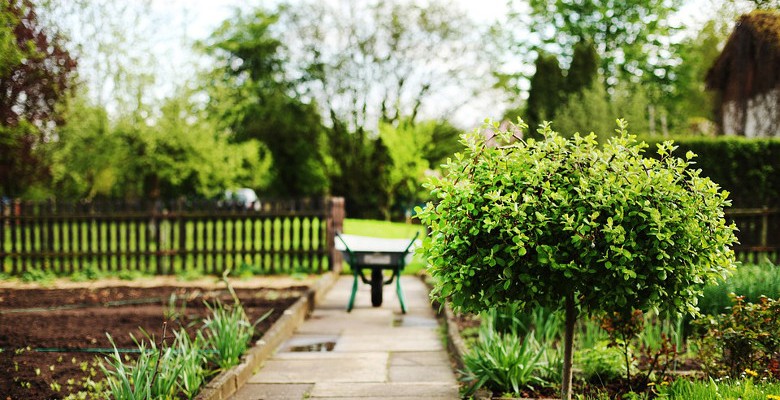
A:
{"points": [[764, 226], [335, 223]]}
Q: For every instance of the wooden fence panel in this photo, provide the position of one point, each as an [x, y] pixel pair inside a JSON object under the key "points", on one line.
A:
{"points": [[279, 237]]}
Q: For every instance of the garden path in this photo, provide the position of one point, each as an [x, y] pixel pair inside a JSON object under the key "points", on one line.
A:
{"points": [[370, 353]]}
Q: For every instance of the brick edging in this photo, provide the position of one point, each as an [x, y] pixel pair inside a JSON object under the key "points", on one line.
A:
{"points": [[228, 382]]}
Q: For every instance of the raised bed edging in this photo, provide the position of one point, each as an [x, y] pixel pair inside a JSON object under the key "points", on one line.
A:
{"points": [[228, 382]]}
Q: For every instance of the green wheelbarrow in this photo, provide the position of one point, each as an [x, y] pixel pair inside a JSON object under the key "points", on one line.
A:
{"points": [[376, 254]]}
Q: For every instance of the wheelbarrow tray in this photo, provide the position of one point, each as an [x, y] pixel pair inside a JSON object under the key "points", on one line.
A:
{"points": [[376, 254]]}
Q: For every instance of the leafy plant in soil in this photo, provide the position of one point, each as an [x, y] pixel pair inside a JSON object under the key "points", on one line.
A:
{"points": [[573, 225], [746, 339]]}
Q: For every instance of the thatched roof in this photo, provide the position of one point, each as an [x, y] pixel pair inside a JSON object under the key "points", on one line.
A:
{"points": [[750, 62]]}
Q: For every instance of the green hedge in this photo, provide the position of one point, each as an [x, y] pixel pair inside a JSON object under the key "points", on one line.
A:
{"points": [[748, 168]]}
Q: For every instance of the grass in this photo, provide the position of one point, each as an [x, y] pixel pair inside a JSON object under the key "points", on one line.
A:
{"points": [[390, 230], [749, 280], [744, 389]]}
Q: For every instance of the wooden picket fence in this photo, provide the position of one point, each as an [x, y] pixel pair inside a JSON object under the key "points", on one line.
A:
{"points": [[759, 234], [278, 237], [275, 236]]}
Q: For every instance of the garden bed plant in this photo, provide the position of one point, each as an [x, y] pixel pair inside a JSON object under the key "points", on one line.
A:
{"points": [[591, 230], [695, 364], [128, 341]]}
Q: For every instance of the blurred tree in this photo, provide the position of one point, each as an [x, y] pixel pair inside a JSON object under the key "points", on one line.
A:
{"points": [[690, 101], [586, 111], [584, 68], [633, 38], [547, 91], [181, 154], [35, 75], [411, 149], [252, 94]]}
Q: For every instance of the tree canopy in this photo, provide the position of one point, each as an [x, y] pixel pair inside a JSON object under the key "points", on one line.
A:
{"points": [[567, 224], [35, 75]]}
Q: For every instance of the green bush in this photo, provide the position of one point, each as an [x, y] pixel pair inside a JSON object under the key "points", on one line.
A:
{"points": [[748, 168], [569, 224], [746, 339], [601, 363]]}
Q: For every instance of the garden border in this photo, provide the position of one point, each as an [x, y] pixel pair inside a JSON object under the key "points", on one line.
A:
{"points": [[228, 382]]}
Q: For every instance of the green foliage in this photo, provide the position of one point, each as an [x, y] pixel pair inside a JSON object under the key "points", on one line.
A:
{"points": [[627, 34], [748, 281], [584, 69], [180, 154], [90, 273], [745, 389], [536, 220], [504, 361], [252, 96], [41, 276], [546, 93], [36, 73], [601, 363], [746, 168], [409, 146], [586, 111], [151, 376], [228, 332], [689, 99], [743, 340]]}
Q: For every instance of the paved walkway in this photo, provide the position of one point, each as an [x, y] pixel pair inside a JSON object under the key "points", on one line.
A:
{"points": [[370, 353]]}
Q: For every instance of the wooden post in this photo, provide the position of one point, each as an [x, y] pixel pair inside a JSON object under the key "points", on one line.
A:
{"points": [[335, 223]]}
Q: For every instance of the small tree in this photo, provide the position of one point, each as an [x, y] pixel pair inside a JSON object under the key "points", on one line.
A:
{"points": [[569, 224]]}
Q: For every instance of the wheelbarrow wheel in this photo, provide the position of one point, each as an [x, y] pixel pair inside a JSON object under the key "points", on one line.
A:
{"points": [[377, 281]]}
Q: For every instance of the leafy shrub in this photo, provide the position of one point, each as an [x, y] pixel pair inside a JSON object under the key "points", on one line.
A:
{"points": [[602, 362], [90, 273], [504, 362], [569, 224], [744, 339]]}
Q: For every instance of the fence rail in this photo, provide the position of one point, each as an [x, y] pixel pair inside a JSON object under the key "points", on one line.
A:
{"points": [[759, 234], [170, 237]]}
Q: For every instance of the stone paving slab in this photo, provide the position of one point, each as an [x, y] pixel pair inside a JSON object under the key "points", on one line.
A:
{"points": [[273, 391], [419, 390], [377, 352], [347, 368]]}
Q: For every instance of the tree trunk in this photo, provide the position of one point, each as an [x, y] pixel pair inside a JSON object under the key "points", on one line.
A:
{"points": [[571, 318]]}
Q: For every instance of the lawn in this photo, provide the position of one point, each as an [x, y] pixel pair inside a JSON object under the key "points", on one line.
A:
{"points": [[392, 230]]}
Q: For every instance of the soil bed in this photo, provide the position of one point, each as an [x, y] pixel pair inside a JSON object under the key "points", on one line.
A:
{"points": [[50, 338]]}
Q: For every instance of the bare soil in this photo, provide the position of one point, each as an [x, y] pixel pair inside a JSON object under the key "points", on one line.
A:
{"points": [[51, 337]]}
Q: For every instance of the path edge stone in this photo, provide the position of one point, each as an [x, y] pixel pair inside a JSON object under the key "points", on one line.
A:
{"points": [[227, 383]]}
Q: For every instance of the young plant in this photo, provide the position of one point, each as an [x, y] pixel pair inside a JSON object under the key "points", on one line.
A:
{"points": [[503, 361], [228, 332], [572, 225], [744, 339]]}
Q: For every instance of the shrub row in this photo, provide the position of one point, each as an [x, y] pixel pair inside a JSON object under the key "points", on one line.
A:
{"points": [[748, 168]]}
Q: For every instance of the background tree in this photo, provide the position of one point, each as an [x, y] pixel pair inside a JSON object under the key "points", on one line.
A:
{"points": [[572, 225], [35, 74], [547, 90], [584, 68], [252, 94], [412, 150], [370, 62], [631, 37]]}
